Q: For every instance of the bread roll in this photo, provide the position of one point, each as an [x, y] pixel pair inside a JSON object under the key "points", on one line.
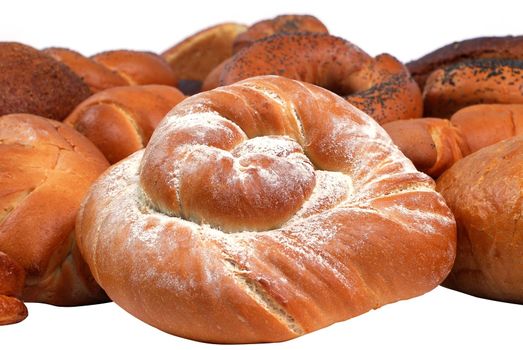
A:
{"points": [[97, 76], [481, 81], [434, 144], [138, 67], [262, 211], [381, 87], [120, 121], [485, 192], [485, 47], [195, 57]]}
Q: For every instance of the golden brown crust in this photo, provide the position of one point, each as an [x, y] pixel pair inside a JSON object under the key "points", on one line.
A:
{"points": [[33, 82], [284, 24], [120, 121], [12, 278], [138, 67], [473, 82], [485, 125], [381, 87], [434, 144], [96, 76], [46, 169], [158, 255], [486, 47], [193, 58], [484, 191]]}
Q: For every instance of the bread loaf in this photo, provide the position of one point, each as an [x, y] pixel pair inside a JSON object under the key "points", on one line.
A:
{"points": [[485, 191], [45, 169], [472, 82], [33, 82], [262, 211], [381, 87]]}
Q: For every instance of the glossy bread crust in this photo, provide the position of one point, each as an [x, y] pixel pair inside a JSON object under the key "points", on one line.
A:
{"points": [[46, 168], [120, 120], [434, 144], [472, 82], [485, 191]]}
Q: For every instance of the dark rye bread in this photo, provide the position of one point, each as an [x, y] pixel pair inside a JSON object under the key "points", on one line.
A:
{"points": [[484, 47], [34, 82]]}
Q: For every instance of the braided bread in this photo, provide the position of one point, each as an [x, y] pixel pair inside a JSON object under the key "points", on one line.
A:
{"points": [[261, 211], [434, 144]]}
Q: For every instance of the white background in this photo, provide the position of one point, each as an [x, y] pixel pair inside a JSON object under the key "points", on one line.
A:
{"points": [[441, 319]]}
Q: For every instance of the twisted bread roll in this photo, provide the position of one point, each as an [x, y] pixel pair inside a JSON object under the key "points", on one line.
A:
{"points": [[284, 24], [120, 121], [261, 211], [45, 169], [473, 82], [486, 47], [381, 87], [434, 144], [116, 68], [32, 82], [485, 192]]}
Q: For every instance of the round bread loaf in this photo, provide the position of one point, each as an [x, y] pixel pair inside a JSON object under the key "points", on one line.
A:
{"points": [[485, 192], [262, 211], [33, 82], [46, 168]]}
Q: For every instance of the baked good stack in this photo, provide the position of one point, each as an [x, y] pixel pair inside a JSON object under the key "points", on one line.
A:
{"points": [[303, 183]]}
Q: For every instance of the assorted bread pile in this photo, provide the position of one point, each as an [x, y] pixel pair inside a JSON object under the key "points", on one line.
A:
{"points": [[267, 180]]}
